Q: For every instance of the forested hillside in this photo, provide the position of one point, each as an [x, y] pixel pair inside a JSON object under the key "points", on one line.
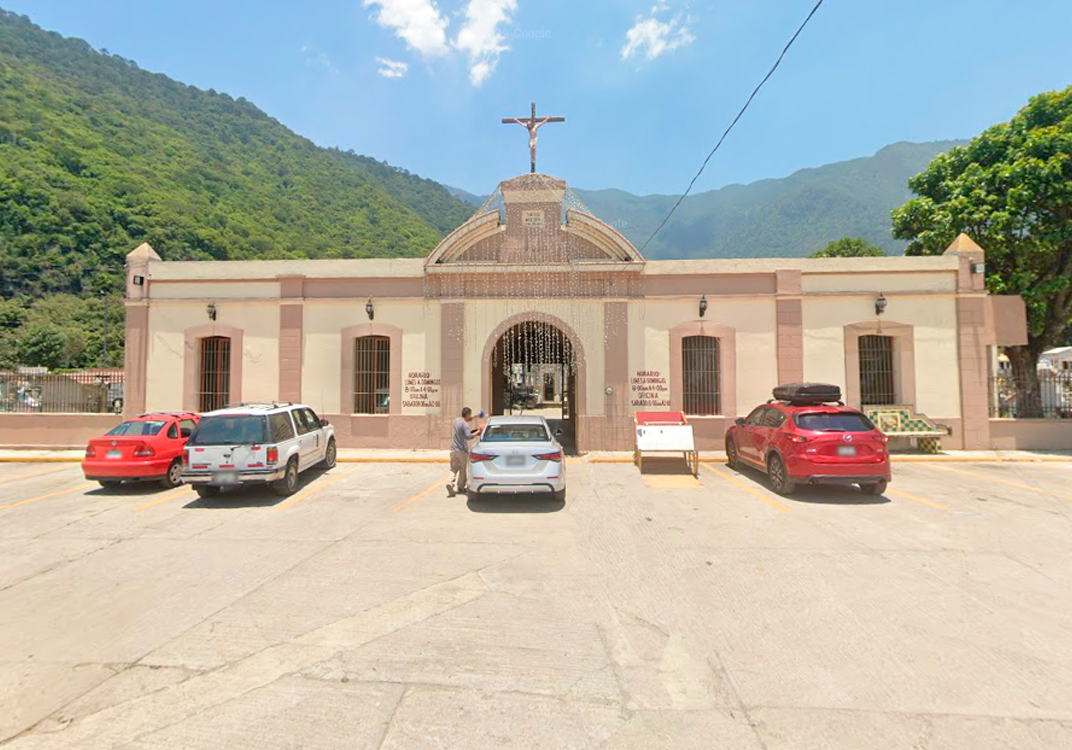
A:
{"points": [[97, 156]]}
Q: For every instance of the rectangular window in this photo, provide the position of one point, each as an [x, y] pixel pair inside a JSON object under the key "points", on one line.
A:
{"points": [[701, 375], [281, 427], [214, 379], [876, 371], [372, 375]]}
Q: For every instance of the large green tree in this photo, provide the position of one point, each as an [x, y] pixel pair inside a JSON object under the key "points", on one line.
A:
{"points": [[849, 247], [1010, 189]]}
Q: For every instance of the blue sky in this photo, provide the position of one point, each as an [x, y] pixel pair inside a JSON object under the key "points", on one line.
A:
{"points": [[646, 85]]}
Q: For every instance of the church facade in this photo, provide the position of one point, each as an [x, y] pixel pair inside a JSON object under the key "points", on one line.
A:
{"points": [[534, 303]]}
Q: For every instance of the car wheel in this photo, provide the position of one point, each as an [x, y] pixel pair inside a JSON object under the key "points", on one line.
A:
{"points": [[331, 455], [779, 477], [173, 478], [732, 459], [289, 482], [874, 488], [109, 484], [560, 496], [206, 490]]}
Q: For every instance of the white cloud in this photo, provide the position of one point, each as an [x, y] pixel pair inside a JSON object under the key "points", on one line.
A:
{"points": [[391, 68], [480, 37], [652, 37], [416, 22]]}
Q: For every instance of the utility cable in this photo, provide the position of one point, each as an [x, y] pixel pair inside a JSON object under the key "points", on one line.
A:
{"points": [[735, 119]]}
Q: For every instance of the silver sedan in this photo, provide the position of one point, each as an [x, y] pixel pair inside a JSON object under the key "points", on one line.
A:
{"points": [[518, 455]]}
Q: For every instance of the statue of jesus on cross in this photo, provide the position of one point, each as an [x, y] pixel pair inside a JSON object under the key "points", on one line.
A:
{"points": [[532, 125]]}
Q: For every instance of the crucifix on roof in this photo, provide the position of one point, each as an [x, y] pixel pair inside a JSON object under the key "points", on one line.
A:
{"points": [[532, 124]]}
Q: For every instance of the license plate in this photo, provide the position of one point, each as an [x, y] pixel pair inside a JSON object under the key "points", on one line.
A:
{"points": [[114, 454], [515, 460], [846, 450], [225, 477]]}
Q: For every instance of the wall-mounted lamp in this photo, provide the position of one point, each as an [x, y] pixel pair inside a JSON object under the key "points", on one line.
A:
{"points": [[370, 309], [211, 310], [138, 280], [703, 305], [978, 268], [880, 304]]}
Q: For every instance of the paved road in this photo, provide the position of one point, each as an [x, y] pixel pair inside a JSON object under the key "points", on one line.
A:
{"points": [[371, 611]]}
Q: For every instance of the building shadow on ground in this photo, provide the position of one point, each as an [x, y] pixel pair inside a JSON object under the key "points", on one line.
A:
{"points": [[665, 466], [545, 503]]}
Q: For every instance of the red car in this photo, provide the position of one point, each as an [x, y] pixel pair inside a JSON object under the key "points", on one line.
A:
{"points": [[810, 441], [146, 448]]}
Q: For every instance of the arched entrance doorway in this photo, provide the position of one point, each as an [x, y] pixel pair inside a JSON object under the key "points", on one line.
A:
{"points": [[535, 366]]}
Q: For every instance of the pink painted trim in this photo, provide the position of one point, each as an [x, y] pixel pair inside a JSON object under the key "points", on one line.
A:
{"points": [[727, 336], [790, 326], [135, 358], [904, 359], [346, 388], [291, 338], [189, 361]]}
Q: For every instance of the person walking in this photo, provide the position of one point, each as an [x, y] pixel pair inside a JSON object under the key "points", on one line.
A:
{"points": [[461, 436]]}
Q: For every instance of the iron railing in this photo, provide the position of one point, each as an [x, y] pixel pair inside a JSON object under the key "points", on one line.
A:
{"points": [[28, 391], [1055, 391]]}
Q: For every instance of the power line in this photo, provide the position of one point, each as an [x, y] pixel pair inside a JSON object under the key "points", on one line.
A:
{"points": [[735, 119]]}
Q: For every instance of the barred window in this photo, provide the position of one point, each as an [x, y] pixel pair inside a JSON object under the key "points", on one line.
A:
{"points": [[701, 375], [372, 375], [214, 376], [876, 371]]}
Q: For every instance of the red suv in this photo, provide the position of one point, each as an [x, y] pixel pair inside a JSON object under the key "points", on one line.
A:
{"points": [[148, 447], [800, 440]]}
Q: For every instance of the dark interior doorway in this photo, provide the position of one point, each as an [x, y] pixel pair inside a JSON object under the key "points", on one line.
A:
{"points": [[533, 371]]}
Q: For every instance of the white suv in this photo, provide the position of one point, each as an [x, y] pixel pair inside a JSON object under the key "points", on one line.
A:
{"points": [[256, 444]]}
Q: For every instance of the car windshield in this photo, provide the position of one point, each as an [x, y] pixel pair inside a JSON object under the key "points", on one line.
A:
{"points": [[834, 422], [230, 430], [138, 428], [515, 433]]}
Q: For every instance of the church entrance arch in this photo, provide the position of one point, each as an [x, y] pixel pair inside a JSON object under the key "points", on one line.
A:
{"points": [[534, 364]]}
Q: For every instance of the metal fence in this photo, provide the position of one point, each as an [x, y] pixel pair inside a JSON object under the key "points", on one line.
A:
{"points": [[29, 391], [1055, 389]]}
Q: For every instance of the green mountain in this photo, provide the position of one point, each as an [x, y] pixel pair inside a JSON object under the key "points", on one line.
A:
{"points": [[97, 156], [788, 217]]}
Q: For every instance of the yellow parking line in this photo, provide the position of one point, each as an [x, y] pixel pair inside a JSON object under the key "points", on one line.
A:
{"points": [[165, 497], [48, 496], [421, 495], [750, 490], [1007, 482], [914, 498], [312, 490], [28, 474]]}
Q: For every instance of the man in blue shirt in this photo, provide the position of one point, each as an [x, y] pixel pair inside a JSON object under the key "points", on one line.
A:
{"points": [[461, 436]]}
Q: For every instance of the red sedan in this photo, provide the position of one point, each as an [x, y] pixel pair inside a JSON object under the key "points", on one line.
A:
{"points": [[146, 448], [808, 442]]}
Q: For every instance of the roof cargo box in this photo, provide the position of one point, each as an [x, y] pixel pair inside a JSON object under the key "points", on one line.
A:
{"points": [[808, 393]]}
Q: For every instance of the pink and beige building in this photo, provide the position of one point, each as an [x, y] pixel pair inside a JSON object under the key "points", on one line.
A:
{"points": [[391, 350]]}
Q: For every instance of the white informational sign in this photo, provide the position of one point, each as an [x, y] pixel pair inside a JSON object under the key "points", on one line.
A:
{"points": [[677, 437]]}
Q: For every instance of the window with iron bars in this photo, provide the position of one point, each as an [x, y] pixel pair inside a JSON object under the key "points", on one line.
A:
{"points": [[372, 375], [877, 382], [214, 380], [701, 375]]}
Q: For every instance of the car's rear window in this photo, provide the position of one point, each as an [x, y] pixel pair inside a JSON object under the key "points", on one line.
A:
{"points": [[834, 422], [515, 433], [230, 430], [139, 428]]}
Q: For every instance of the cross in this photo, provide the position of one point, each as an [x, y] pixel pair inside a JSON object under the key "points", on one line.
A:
{"points": [[532, 125]]}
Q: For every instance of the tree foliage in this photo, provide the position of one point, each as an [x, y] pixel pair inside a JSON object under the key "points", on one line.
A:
{"points": [[849, 247], [97, 156], [1010, 189]]}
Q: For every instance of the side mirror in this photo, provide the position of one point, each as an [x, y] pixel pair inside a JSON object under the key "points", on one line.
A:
{"points": [[739, 421], [324, 423], [185, 433]]}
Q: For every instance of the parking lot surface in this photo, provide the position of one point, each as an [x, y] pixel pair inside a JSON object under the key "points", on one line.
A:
{"points": [[369, 610]]}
